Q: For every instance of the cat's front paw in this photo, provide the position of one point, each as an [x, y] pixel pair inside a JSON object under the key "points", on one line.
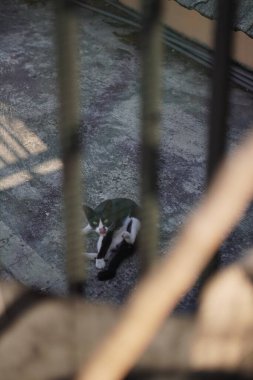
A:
{"points": [[127, 237], [100, 263]]}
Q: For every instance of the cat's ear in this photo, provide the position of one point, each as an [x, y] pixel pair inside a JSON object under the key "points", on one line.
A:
{"points": [[89, 212]]}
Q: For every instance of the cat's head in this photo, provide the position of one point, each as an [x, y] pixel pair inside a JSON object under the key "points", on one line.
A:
{"points": [[101, 221]]}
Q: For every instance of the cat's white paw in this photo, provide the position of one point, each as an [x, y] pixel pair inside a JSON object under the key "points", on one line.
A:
{"points": [[86, 230], [90, 255], [100, 263], [127, 237]]}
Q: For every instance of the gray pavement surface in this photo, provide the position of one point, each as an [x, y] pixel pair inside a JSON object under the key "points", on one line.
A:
{"points": [[31, 222]]}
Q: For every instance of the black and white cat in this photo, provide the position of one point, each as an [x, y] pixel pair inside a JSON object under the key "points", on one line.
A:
{"points": [[117, 223]]}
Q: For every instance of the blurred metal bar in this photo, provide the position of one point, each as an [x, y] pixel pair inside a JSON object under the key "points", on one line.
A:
{"points": [[66, 32], [220, 85], [220, 98], [151, 60]]}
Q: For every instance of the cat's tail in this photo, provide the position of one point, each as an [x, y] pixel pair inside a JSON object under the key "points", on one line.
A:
{"points": [[90, 255]]}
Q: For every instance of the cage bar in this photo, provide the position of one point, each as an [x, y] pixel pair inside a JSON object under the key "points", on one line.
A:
{"points": [[220, 85], [220, 98], [66, 33], [151, 59]]}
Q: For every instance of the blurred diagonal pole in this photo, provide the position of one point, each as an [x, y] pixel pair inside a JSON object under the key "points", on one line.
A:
{"points": [[66, 33], [220, 98], [151, 60]]}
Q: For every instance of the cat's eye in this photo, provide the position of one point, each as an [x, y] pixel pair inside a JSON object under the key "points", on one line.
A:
{"points": [[94, 223]]}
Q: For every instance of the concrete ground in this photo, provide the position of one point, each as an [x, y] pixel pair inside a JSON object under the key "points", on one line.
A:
{"points": [[31, 222]]}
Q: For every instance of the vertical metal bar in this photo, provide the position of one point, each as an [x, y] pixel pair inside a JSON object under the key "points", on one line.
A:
{"points": [[151, 59], [66, 32], [220, 98], [220, 85]]}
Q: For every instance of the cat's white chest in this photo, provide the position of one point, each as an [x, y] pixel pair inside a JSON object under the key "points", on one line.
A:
{"points": [[99, 242], [116, 240], [120, 235], [117, 237]]}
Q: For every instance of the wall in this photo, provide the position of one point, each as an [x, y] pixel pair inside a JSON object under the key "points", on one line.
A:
{"points": [[200, 29]]}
